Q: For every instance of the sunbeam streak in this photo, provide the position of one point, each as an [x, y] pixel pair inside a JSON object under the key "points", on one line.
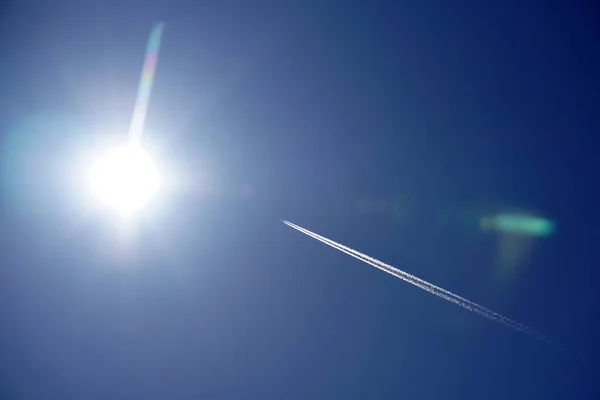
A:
{"points": [[429, 287], [138, 119]]}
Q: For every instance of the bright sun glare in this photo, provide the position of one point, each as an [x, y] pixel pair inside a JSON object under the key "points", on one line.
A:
{"points": [[124, 179]]}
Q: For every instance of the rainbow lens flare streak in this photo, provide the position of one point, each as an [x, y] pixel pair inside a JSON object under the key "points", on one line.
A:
{"points": [[138, 119]]}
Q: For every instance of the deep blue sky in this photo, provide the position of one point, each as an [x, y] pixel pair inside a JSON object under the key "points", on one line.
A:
{"points": [[304, 111]]}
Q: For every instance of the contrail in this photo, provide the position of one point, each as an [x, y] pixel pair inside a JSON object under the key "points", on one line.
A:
{"points": [[136, 128], [429, 287]]}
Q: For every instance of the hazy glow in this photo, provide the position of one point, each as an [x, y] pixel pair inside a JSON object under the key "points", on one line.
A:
{"points": [[124, 179]]}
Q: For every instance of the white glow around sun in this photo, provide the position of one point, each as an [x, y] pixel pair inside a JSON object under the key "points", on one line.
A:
{"points": [[124, 179]]}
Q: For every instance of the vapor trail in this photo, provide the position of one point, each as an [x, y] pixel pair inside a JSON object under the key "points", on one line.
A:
{"points": [[136, 128], [429, 287]]}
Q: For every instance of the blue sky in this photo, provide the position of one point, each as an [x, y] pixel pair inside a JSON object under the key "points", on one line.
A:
{"points": [[390, 127]]}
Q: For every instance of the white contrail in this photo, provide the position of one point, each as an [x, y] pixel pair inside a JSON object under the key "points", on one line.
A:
{"points": [[431, 288]]}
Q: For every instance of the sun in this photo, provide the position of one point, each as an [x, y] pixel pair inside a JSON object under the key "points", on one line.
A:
{"points": [[124, 179]]}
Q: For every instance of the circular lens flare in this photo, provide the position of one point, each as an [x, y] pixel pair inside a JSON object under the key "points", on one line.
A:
{"points": [[124, 179]]}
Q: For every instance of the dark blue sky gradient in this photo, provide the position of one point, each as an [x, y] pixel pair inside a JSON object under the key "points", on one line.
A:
{"points": [[301, 110]]}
